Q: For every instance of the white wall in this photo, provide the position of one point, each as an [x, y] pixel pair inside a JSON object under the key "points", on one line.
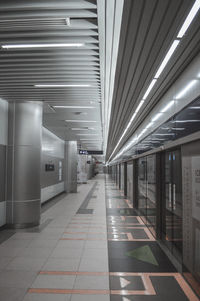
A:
{"points": [[52, 183]]}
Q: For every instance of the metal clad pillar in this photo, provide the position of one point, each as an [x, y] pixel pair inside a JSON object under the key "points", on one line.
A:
{"points": [[24, 164]]}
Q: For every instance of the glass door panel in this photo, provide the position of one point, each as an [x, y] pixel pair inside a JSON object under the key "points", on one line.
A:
{"points": [[168, 214], [172, 211], [177, 203], [142, 191]]}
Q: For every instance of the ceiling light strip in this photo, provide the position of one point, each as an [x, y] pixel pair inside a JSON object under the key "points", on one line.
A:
{"points": [[62, 86], [166, 59], [50, 45]]}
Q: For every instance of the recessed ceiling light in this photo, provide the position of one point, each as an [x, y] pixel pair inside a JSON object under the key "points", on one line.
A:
{"points": [[189, 18], [167, 58], [149, 88], [186, 89], [49, 45], [62, 86]]}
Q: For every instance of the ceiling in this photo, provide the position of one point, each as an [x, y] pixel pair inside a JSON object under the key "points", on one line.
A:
{"points": [[148, 29], [55, 22], [119, 44]]}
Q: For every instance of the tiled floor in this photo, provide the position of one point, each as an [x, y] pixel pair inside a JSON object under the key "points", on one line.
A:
{"points": [[84, 251], [139, 269]]}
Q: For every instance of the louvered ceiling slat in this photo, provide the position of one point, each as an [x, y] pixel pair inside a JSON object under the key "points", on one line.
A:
{"points": [[44, 22], [141, 51]]}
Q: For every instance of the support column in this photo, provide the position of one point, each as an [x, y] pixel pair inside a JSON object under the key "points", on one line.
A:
{"points": [[71, 166], [24, 164]]}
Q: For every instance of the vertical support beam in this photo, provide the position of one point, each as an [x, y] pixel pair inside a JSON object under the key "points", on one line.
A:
{"points": [[135, 183], [24, 164], [70, 166], [159, 181], [125, 178]]}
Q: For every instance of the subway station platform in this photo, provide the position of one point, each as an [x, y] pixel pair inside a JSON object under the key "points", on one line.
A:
{"points": [[90, 246]]}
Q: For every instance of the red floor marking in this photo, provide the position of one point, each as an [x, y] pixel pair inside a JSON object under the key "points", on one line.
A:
{"points": [[127, 202]]}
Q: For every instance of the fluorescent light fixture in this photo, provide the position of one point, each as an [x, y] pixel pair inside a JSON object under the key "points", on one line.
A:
{"points": [[73, 107], [194, 108], [186, 89], [160, 139], [139, 106], [49, 45], [189, 18], [143, 131], [157, 116], [185, 121], [80, 120], [149, 125], [178, 129], [149, 88], [167, 58], [168, 106], [62, 86], [169, 134]]}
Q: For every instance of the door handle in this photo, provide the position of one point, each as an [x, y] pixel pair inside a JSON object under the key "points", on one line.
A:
{"points": [[170, 195], [174, 196]]}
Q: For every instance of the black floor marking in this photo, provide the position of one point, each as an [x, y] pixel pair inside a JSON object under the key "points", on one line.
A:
{"points": [[83, 208]]}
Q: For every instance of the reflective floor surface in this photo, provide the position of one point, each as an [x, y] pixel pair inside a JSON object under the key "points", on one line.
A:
{"points": [[91, 246]]}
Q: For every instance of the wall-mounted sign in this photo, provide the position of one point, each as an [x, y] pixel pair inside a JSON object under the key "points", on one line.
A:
{"points": [[83, 152], [90, 152], [94, 152], [49, 167]]}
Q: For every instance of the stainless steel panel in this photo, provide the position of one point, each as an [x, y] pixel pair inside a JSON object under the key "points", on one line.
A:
{"points": [[23, 213], [25, 123], [24, 163], [3, 122], [25, 168], [2, 172]]}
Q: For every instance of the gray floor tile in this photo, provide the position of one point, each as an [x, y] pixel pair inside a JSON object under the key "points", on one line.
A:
{"points": [[10, 252], [54, 281], [101, 244], [26, 264], [46, 297], [40, 243], [93, 265], [18, 279], [36, 252], [58, 264], [92, 282], [72, 244], [12, 294], [95, 253], [66, 253], [4, 261]]}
